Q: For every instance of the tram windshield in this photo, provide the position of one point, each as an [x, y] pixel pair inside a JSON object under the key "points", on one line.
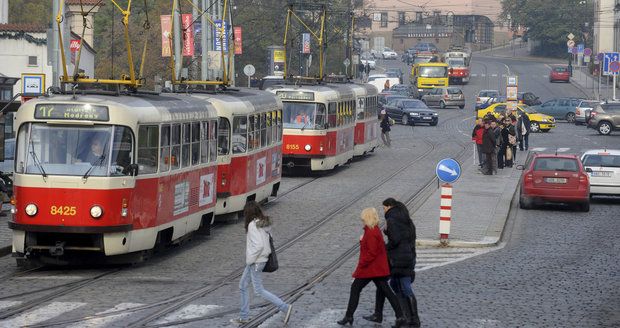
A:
{"points": [[99, 150], [297, 115]]}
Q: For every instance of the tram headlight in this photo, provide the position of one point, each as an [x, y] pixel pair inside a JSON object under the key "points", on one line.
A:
{"points": [[96, 211], [308, 147], [31, 209]]}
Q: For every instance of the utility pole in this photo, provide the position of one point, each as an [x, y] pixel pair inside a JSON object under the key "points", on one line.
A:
{"points": [[205, 32], [178, 54], [55, 43]]}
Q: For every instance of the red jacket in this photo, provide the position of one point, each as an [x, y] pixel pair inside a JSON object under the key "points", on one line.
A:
{"points": [[373, 260], [477, 135]]}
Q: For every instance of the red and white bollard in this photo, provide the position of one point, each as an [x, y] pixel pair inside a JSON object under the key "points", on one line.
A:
{"points": [[445, 213]]}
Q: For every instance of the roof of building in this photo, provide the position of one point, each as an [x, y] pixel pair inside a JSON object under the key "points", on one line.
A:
{"points": [[14, 27]]}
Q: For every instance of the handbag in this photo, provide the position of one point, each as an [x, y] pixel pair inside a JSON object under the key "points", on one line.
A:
{"points": [[391, 121], [509, 153], [272, 260]]}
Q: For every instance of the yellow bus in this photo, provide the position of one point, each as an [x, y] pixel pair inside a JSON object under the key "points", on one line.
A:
{"points": [[426, 76]]}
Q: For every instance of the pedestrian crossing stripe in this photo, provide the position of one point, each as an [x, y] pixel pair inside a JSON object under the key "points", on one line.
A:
{"points": [[47, 312]]}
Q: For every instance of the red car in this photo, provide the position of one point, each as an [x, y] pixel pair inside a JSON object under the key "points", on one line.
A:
{"points": [[559, 73], [554, 178]]}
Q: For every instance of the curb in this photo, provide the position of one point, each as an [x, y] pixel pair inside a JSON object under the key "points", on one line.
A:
{"points": [[5, 250], [580, 87]]}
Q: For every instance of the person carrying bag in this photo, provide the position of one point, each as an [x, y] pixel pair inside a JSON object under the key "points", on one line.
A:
{"points": [[259, 252]]}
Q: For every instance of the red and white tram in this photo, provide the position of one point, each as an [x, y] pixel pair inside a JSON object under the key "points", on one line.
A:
{"points": [[249, 147], [319, 125], [366, 123]]}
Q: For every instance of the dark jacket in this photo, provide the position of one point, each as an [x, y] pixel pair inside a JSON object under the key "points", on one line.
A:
{"points": [[507, 130], [523, 120], [373, 261], [401, 236], [385, 124], [488, 141]]}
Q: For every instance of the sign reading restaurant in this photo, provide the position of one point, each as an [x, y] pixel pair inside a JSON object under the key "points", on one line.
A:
{"points": [[426, 35]]}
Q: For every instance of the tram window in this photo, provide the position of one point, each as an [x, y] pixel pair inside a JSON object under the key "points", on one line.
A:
{"points": [[255, 119], [185, 145], [240, 134], [204, 142], [269, 127], [122, 151], [175, 149], [279, 128], [223, 137], [263, 129], [213, 138], [319, 121], [331, 115], [195, 143], [164, 149], [148, 137], [251, 127]]}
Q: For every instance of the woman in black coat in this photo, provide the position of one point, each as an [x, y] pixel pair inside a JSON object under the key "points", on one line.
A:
{"points": [[401, 235]]}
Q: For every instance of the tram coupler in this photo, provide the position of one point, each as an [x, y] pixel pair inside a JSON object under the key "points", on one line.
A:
{"points": [[290, 164], [58, 249]]}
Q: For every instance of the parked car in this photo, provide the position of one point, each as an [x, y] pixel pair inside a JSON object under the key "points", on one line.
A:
{"points": [[605, 118], [491, 101], [411, 111], [559, 73], [582, 111], [559, 108], [423, 47], [528, 98], [378, 80], [554, 178], [389, 53], [484, 95], [367, 58], [444, 97], [407, 90], [395, 72], [603, 167], [538, 122], [383, 98]]}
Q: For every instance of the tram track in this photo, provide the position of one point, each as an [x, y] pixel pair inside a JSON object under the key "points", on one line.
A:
{"points": [[177, 302]]}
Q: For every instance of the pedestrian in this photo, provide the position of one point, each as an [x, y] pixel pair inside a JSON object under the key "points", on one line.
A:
{"points": [[505, 147], [258, 248], [513, 137], [371, 266], [524, 126], [367, 69], [401, 235], [496, 134], [476, 137], [385, 128], [386, 85], [488, 148], [360, 70]]}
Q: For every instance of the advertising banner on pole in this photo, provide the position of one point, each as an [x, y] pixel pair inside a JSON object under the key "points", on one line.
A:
{"points": [[166, 35], [306, 43], [74, 46], [219, 43], [188, 35], [279, 57], [238, 40]]}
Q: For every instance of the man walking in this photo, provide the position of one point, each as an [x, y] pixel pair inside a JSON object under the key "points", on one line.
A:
{"points": [[488, 148], [523, 129]]}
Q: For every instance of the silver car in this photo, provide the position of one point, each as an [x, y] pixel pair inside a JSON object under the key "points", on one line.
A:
{"points": [[444, 97]]}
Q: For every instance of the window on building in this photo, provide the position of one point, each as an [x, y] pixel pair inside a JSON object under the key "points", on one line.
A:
{"points": [[32, 61], [401, 18], [6, 93], [384, 19]]}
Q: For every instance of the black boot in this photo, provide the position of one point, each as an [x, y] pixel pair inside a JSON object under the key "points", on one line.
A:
{"points": [[378, 318], [404, 305], [400, 322], [345, 321], [412, 305]]}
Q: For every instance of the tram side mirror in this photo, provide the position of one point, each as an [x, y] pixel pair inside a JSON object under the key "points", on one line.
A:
{"points": [[133, 169]]}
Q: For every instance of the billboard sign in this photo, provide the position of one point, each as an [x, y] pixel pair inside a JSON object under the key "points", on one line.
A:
{"points": [[166, 35], [188, 35], [306, 43], [220, 41], [238, 40]]}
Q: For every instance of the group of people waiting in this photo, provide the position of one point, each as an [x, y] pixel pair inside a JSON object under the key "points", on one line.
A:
{"points": [[497, 138], [390, 266]]}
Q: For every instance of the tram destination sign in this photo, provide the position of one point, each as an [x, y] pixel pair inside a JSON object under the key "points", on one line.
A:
{"points": [[82, 112], [295, 95]]}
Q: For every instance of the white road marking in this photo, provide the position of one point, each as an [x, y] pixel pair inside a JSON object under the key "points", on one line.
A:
{"points": [[428, 258], [563, 150], [329, 317], [8, 304], [189, 312], [538, 149], [42, 277], [483, 75], [494, 75], [45, 313], [107, 320], [474, 75]]}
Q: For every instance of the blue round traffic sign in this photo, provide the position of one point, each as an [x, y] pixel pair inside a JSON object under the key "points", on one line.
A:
{"points": [[587, 52], [600, 56], [574, 51], [448, 170], [614, 66]]}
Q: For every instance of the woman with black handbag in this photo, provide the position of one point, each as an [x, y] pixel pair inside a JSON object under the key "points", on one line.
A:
{"points": [[258, 249]]}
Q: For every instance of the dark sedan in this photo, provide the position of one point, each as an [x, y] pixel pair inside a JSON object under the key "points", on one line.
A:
{"points": [[411, 111]]}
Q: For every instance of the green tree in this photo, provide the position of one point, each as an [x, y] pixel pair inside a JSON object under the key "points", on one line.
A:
{"points": [[35, 12]]}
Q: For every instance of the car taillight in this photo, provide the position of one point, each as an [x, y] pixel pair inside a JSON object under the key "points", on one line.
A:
{"points": [[529, 177], [583, 178], [446, 97], [592, 114], [577, 111]]}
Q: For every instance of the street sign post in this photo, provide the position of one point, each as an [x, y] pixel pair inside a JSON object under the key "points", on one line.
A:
{"points": [[249, 70], [570, 43], [614, 67], [448, 170], [570, 36]]}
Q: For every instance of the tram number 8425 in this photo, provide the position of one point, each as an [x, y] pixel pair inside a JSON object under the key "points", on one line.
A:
{"points": [[63, 210]]}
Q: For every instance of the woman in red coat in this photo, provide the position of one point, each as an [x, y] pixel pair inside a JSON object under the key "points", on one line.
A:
{"points": [[372, 266]]}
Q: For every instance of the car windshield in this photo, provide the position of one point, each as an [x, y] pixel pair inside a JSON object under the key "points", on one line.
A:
{"points": [[433, 71], [588, 104], [601, 160], [456, 62], [372, 78], [392, 74], [528, 109], [488, 94], [419, 60], [560, 69], [297, 115], [556, 164], [414, 104], [99, 150], [454, 91]]}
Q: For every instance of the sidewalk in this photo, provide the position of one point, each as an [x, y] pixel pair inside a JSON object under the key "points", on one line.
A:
{"points": [[480, 207], [589, 84], [5, 234]]}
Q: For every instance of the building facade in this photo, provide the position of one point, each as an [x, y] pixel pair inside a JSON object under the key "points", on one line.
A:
{"points": [[605, 25]]}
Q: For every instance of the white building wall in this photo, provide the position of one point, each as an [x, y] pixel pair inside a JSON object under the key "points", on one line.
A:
{"points": [[604, 26], [4, 11], [14, 58]]}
